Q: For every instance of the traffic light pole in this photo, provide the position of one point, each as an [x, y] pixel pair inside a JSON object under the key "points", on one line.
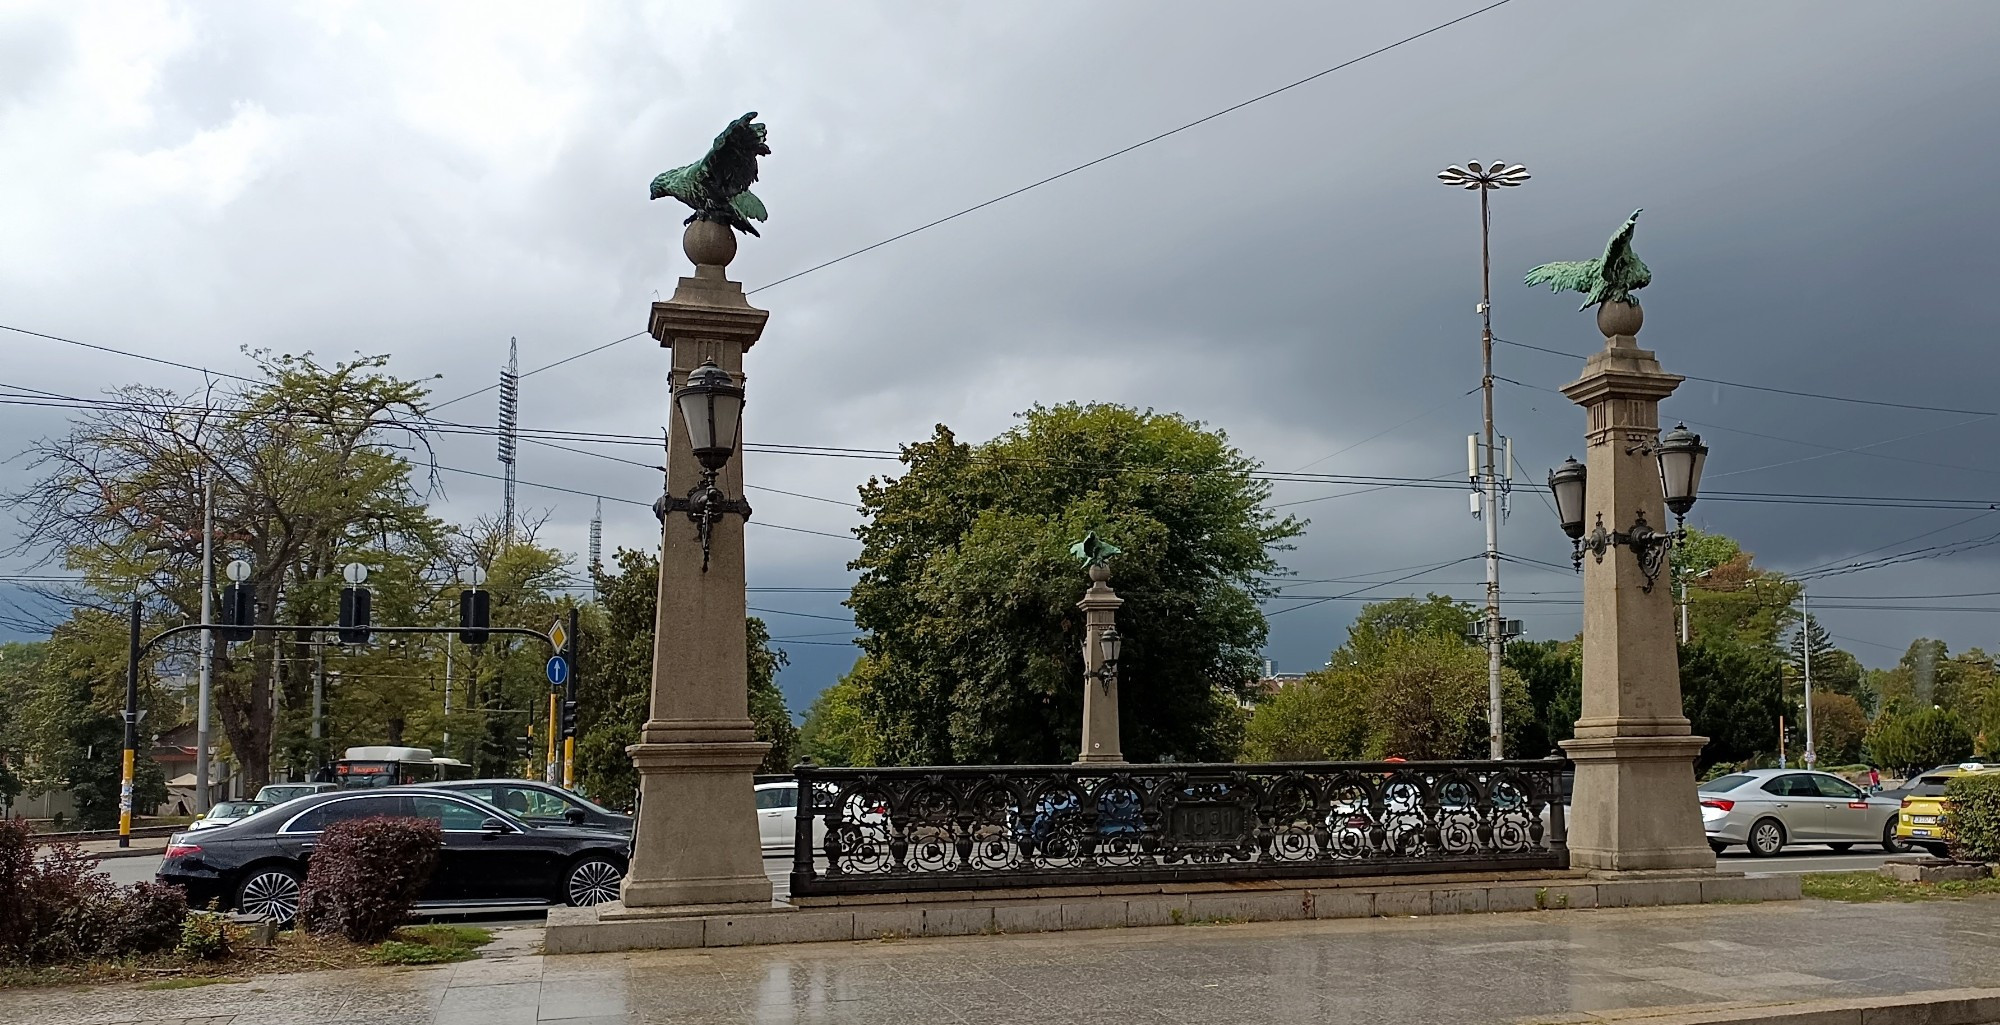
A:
{"points": [[135, 651], [569, 702]]}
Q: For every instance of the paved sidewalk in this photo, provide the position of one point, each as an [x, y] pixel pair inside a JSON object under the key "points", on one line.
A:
{"points": [[1458, 970]]}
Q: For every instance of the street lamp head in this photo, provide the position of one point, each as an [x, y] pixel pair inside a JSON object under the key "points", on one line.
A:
{"points": [[1477, 176], [1567, 483], [1681, 456], [1110, 644], [711, 405]]}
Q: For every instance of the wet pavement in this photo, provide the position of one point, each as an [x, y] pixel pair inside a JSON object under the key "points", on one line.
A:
{"points": [[1457, 970]]}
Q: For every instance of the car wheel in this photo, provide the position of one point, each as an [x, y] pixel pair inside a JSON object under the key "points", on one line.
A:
{"points": [[1767, 837], [1891, 842], [271, 891], [1841, 848], [594, 879]]}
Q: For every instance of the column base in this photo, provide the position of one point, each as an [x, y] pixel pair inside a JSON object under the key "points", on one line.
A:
{"points": [[1101, 758], [1634, 808], [696, 839]]}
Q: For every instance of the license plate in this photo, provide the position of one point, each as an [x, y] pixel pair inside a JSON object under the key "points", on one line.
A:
{"points": [[1920, 832], [1928, 820]]}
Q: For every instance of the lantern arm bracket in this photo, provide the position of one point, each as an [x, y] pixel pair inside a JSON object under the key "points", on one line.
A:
{"points": [[704, 504], [1105, 675], [1649, 545]]}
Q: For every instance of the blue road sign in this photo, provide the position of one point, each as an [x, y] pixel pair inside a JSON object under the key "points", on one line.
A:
{"points": [[558, 671]]}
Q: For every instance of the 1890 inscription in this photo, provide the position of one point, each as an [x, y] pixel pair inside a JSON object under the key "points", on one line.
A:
{"points": [[1202, 822]]}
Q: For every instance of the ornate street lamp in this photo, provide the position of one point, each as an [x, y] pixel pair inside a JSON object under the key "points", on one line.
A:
{"points": [[711, 405], [1681, 456], [1109, 644], [1567, 483]]}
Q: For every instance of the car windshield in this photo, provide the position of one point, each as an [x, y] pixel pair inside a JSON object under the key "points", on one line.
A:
{"points": [[1724, 784]]}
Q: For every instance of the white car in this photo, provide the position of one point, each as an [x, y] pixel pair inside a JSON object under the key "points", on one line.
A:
{"points": [[1766, 809], [778, 816], [228, 812], [279, 793]]}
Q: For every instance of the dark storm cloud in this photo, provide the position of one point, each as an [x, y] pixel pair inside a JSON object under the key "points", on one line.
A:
{"points": [[430, 182]]}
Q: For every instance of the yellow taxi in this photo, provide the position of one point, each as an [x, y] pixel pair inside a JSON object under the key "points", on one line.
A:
{"points": [[1921, 822]]}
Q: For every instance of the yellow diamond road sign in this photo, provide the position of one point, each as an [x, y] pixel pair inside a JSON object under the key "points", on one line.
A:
{"points": [[558, 636]]}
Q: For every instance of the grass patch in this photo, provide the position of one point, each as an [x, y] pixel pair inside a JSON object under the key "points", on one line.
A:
{"points": [[1869, 887], [190, 982], [431, 944]]}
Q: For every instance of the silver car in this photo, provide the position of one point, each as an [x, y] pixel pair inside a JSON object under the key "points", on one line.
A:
{"points": [[1765, 809]]}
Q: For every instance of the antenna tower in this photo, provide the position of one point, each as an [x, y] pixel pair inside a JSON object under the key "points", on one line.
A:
{"points": [[510, 408], [596, 546]]}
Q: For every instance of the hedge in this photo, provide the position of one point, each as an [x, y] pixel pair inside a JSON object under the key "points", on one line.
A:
{"points": [[1972, 802]]}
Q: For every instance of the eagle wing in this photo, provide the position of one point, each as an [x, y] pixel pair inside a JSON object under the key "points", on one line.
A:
{"points": [[1622, 270], [731, 164], [747, 204], [1566, 275]]}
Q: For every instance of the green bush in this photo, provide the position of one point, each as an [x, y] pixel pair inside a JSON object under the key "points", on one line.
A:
{"points": [[365, 875], [204, 937], [1972, 801]]}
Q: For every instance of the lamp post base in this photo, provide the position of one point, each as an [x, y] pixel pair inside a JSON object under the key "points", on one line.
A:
{"points": [[1634, 807], [696, 839]]}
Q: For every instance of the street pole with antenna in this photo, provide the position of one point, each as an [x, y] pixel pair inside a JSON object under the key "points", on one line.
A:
{"points": [[1810, 755], [1484, 179]]}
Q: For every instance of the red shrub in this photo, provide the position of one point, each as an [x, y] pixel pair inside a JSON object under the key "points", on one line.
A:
{"points": [[366, 873], [59, 907]]}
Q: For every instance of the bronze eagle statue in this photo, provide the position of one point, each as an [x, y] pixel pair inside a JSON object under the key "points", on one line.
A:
{"points": [[1094, 550], [1611, 278], [717, 187]]}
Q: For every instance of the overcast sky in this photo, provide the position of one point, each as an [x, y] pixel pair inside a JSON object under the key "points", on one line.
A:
{"points": [[428, 180]]}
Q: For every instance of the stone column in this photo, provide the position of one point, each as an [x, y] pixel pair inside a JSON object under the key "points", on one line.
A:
{"points": [[1100, 694], [1634, 807], [696, 841]]}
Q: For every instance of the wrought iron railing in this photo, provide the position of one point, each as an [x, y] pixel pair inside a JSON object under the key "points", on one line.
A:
{"points": [[980, 827]]}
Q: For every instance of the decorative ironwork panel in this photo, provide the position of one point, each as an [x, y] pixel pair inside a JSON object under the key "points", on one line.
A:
{"points": [[981, 827]]}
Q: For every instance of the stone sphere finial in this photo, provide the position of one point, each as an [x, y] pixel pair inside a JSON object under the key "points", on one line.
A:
{"points": [[1617, 318], [709, 243], [1099, 572]]}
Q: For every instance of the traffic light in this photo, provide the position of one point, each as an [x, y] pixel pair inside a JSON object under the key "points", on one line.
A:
{"points": [[475, 615], [524, 747], [239, 611], [354, 612], [569, 718]]}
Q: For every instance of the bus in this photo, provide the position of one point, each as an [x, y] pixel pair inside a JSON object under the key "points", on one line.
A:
{"points": [[368, 767]]}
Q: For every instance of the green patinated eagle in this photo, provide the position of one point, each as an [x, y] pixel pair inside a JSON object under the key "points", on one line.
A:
{"points": [[717, 187], [1611, 278], [1094, 550]]}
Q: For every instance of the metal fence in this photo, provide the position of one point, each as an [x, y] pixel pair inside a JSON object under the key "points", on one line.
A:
{"points": [[982, 827]]}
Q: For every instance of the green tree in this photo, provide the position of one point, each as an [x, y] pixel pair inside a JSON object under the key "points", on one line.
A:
{"points": [[1734, 602], [1733, 695], [614, 700], [310, 470], [967, 591], [1553, 674], [1406, 683], [1919, 740], [837, 730], [1839, 728], [20, 681]]}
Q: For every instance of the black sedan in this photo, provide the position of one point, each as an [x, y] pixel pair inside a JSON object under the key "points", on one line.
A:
{"points": [[256, 865], [541, 804]]}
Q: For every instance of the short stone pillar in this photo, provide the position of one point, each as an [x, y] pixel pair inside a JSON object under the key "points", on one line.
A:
{"points": [[1634, 807], [696, 841], [1100, 689]]}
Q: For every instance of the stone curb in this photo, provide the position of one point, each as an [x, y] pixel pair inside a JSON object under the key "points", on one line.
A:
{"points": [[1927, 1007], [583, 931]]}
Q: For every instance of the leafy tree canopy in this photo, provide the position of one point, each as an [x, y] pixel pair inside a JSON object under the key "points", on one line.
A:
{"points": [[968, 593]]}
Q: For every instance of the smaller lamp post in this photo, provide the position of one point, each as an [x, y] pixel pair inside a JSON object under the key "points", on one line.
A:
{"points": [[1681, 456], [1102, 645], [711, 404]]}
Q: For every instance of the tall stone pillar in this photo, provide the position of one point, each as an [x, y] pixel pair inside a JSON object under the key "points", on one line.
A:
{"points": [[696, 838], [1100, 692], [1634, 807]]}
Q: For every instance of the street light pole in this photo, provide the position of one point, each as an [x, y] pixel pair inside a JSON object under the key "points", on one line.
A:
{"points": [[201, 727], [131, 731], [1484, 179], [1811, 754]]}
